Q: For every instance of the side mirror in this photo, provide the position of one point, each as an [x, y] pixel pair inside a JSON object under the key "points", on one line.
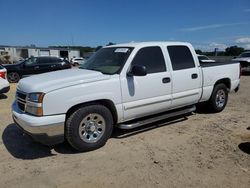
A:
{"points": [[137, 70]]}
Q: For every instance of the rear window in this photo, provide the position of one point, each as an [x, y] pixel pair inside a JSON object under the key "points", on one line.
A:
{"points": [[1, 67], [181, 57]]}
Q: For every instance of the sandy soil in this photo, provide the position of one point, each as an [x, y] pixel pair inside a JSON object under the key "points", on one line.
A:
{"points": [[201, 150]]}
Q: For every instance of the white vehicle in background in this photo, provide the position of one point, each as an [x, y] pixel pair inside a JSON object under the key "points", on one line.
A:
{"points": [[205, 59], [78, 61], [244, 60], [4, 84], [125, 85]]}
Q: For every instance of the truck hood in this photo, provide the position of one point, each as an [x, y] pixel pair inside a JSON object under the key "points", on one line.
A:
{"points": [[59, 79]]}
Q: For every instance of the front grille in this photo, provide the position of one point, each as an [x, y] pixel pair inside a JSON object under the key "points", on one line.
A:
{"points": [[21, 100]]}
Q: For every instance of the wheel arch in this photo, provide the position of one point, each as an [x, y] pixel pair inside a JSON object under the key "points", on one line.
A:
{"points": [[105, 102], [225, 81]]}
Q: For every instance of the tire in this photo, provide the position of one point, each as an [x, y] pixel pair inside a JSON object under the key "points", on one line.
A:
{"points": [[13, 77], [89, 127], [219, 98]]}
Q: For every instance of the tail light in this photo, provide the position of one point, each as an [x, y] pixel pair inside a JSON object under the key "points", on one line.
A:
{"points": [[3, 75]]}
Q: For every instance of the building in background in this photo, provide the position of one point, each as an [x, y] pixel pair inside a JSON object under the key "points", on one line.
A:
{"points": [[16, 53]]}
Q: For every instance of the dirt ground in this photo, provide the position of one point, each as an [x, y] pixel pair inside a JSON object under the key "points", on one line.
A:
{"points": [[200, 150]]}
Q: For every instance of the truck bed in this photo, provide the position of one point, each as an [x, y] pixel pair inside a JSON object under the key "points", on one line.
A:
{"points": [[217, 64], [212, 72]]}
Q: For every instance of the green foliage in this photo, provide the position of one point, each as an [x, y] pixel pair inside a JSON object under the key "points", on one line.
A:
{"points": [[234, 51], [230, 51]]}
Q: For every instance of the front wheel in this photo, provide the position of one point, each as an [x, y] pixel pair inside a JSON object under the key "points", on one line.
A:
{"points": [[219, 98], [13, 77], [89, 127]]}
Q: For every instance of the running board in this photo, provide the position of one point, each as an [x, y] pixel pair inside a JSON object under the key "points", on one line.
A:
{"points": [[156, 118]]}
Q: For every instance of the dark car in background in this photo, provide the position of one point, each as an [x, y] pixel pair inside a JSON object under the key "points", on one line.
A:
{"points": [[35, 65]]}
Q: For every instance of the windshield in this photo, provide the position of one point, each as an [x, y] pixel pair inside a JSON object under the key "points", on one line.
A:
{"points": [[245, 55], [108, 60], [203, 58]]}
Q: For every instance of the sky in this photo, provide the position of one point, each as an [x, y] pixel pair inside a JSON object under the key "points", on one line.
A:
{"points": [[207, 24]]}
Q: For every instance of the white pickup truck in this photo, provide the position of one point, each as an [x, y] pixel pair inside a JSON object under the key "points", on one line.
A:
{"points": [[126, 85]]}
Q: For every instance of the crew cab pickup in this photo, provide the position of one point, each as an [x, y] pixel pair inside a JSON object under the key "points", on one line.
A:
{"points": [[125, 85]]}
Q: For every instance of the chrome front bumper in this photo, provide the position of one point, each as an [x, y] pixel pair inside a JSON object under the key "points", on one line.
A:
{"points": [[48, 130]]}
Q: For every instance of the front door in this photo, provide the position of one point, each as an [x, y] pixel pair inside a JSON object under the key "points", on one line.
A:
{"points": [[150, 94], [30, 67]]}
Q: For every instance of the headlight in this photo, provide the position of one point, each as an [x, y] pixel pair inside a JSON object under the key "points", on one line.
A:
{"points": [[34, 104]]}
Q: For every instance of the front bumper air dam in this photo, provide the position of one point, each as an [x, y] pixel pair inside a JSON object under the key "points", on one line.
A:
{"points": [[48, 130]]}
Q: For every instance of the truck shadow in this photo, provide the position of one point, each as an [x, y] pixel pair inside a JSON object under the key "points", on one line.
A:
{"points": [[246, 74], [245, 146], [22, 146], [202, 108], [3, 96]]}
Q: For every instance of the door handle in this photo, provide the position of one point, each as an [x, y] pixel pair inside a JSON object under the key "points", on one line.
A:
{"points": [[166, 80], [194, 76], [36, 67], [53, 66]]}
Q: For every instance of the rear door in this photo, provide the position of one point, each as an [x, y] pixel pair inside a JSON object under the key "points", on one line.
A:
{"points": [[186, 76], [150, 94], [47, 64]]}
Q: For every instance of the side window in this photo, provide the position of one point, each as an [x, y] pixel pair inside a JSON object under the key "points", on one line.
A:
{"points": [[181, 57], [31, 61], [152, 58], [48, 60], [44, 60]]}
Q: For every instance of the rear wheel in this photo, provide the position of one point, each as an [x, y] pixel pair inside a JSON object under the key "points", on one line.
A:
{"points": [[89, 127], [13, 77], [219, 98]]}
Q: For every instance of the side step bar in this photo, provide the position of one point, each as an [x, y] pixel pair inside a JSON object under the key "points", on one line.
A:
{"points": [[156, 118]]}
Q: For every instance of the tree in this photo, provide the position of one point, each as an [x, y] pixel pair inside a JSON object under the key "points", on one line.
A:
{"points": [[233, 51]]}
